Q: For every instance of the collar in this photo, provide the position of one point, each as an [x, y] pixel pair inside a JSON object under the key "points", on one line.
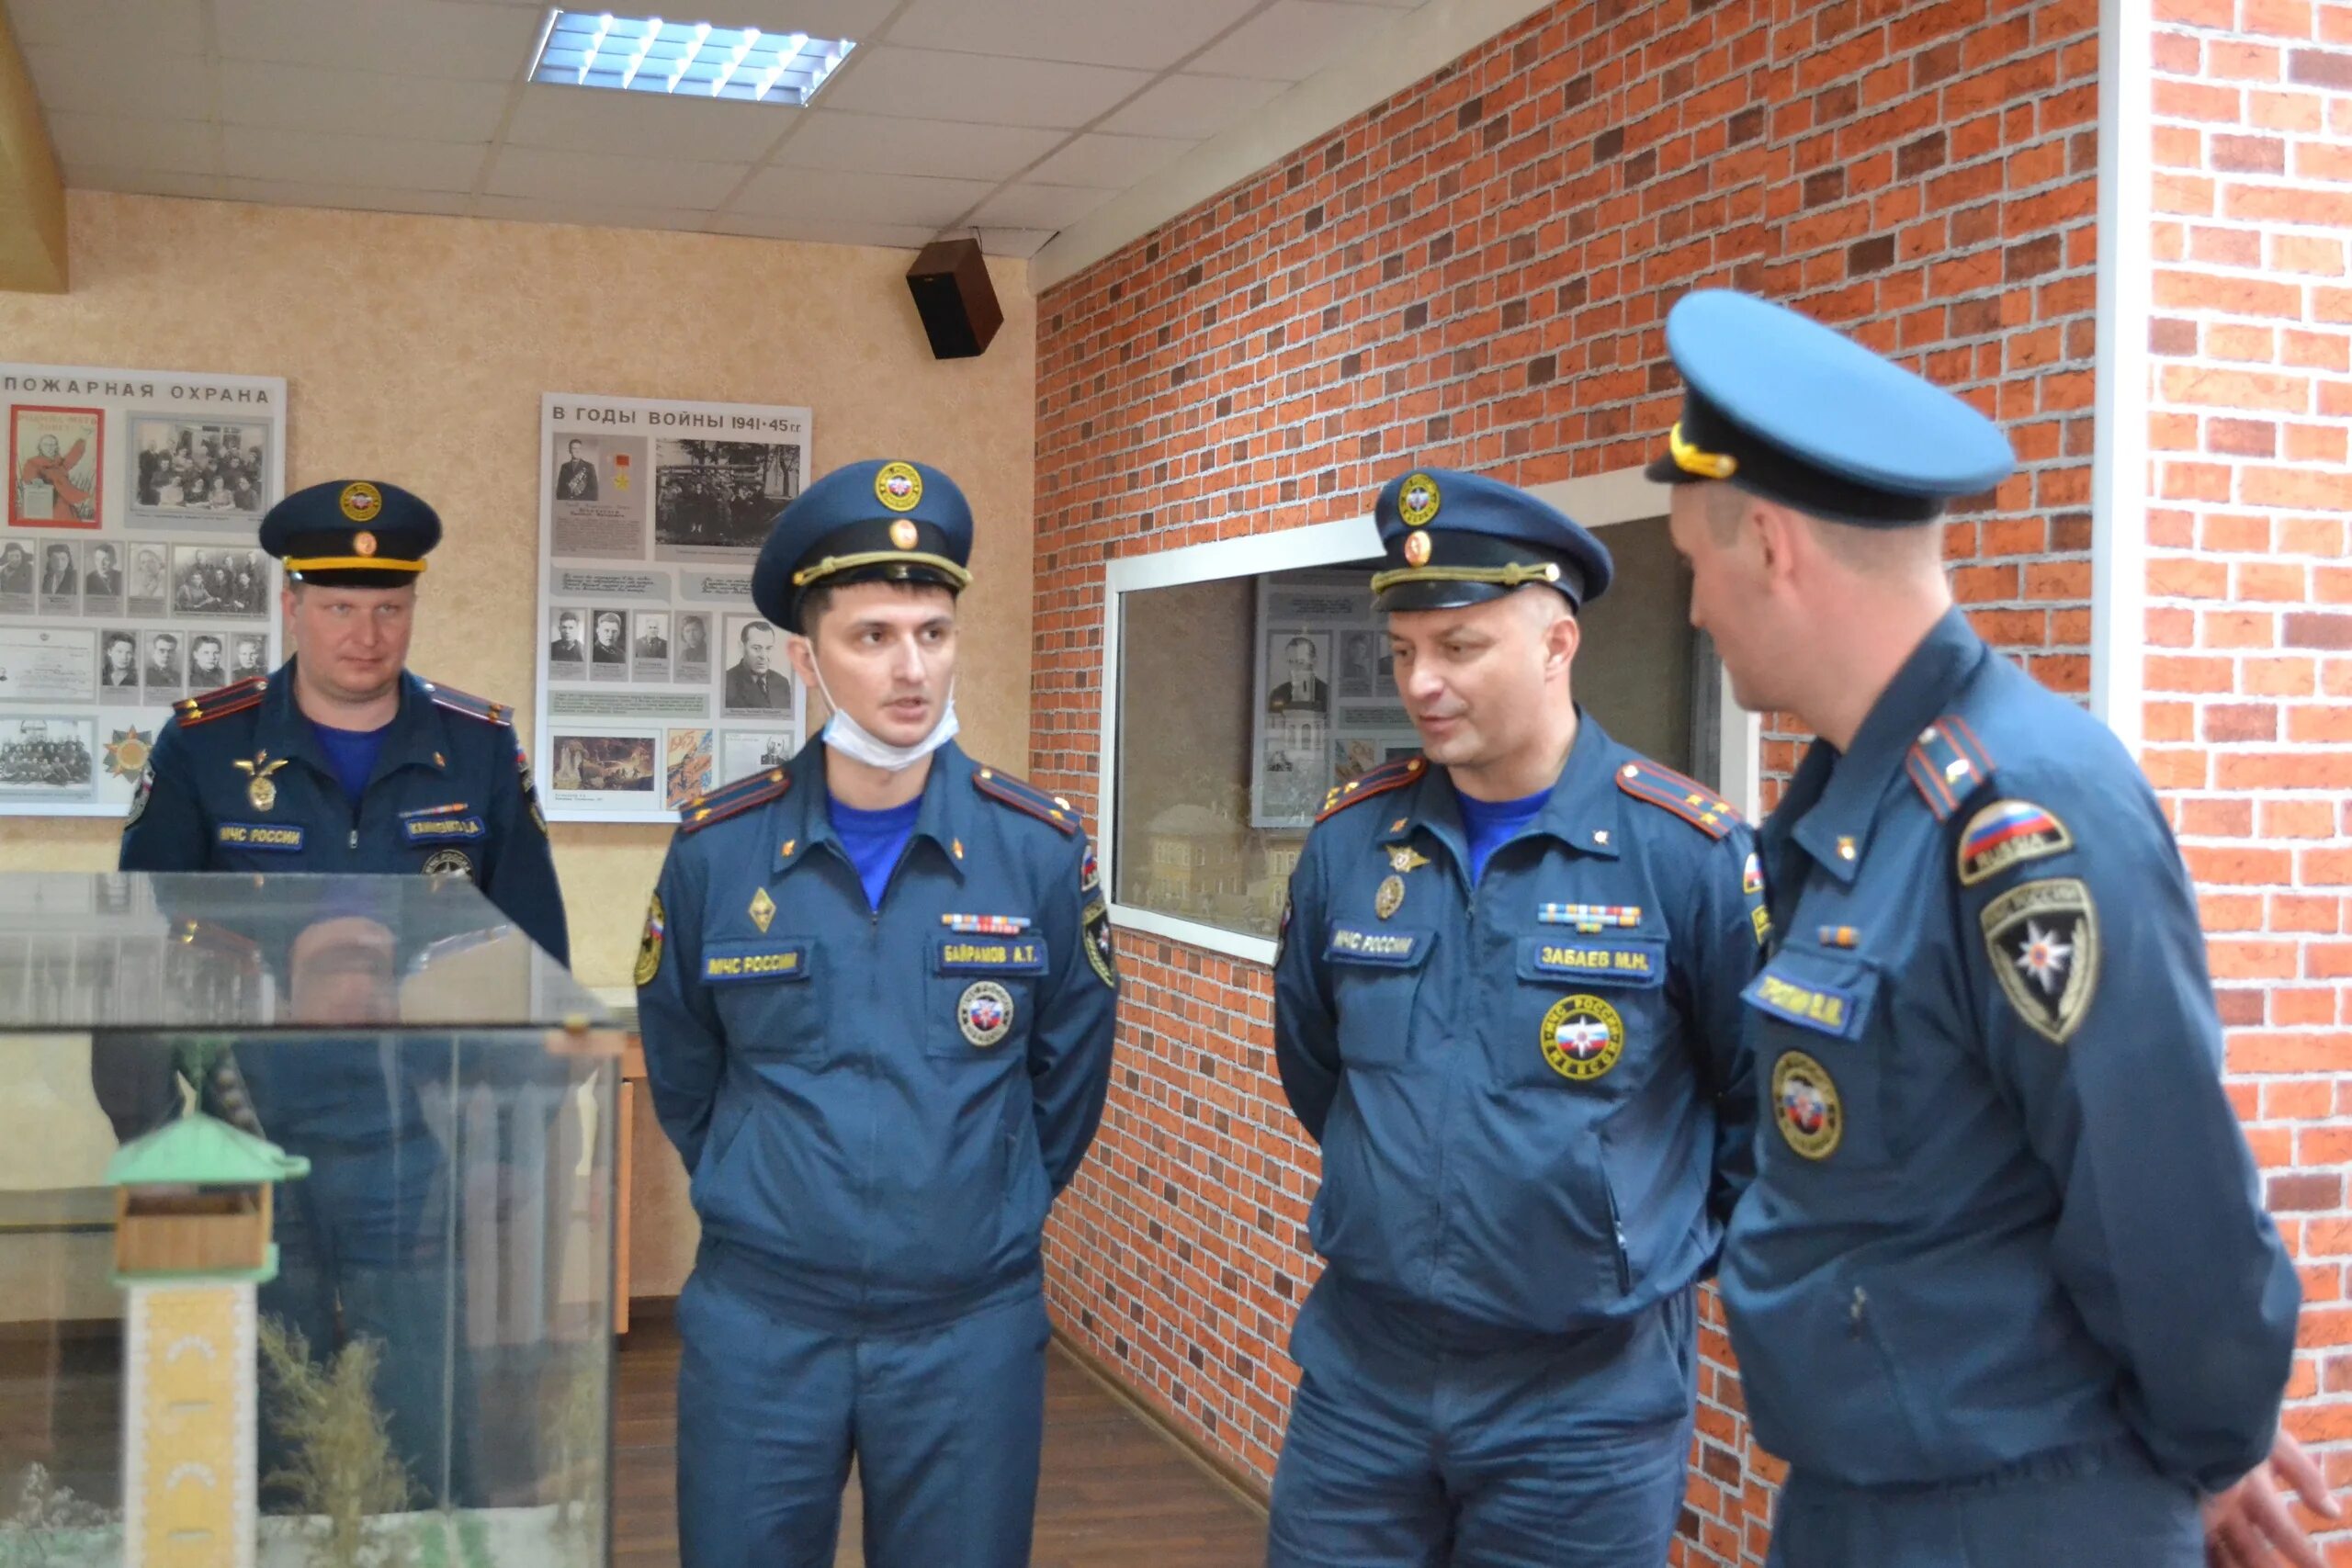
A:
{"points": [[415, 738], [944, 818], [1833, 801], [1581, 810]]}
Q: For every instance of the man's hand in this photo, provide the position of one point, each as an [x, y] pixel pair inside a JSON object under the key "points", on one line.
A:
{"points": [[2250, 1526]]}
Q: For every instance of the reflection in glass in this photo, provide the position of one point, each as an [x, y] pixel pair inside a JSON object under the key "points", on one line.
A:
{"points": [[1243, 701], [434, 1317]]}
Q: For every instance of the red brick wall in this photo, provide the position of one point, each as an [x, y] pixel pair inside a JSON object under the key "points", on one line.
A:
{"points": [[2249, 673], [1475, 272]]}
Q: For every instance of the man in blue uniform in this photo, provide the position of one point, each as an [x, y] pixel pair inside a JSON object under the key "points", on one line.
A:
{"points": [[344, 761], [2003, 1291], [876, 991], [1506, 1006]]}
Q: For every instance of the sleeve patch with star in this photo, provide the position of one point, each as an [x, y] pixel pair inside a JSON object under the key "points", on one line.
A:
{"points": [[2043, 941]]}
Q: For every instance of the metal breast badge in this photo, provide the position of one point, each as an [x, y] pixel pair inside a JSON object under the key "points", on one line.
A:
{"points": [[259, 787]]}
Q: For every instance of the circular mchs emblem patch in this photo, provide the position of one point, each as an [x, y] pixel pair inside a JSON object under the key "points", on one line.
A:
{"points": [[446, 862], [1806, 1106], [1417, 549], [1583, 1037], [899, 487], [1417, 502], [361, 501], [984, 1013], [903, 534]]}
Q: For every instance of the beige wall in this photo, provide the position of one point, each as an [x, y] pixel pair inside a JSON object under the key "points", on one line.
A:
{"points": [[416, 349]]}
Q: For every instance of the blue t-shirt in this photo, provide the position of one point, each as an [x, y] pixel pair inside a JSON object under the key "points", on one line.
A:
{"points": [[353, 754], [875, 840], [1491, 823]]}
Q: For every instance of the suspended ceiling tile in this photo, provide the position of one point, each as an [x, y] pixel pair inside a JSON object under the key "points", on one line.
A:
{"points": [[988, 89]]}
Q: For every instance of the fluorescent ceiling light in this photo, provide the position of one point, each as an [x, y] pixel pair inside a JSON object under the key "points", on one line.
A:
{"points": [[685, 60]]}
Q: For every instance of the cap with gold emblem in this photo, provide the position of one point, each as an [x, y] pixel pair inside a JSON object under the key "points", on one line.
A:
{"points": [[351, 534], [883, 520], [1786, 408], [1453, 538]]}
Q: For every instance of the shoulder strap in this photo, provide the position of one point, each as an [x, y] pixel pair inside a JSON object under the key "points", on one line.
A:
{"points": [[1947, 764], [731, 800], [1685, 797], [467, 704], [229, 699], [1378, 781], [1026, 797]]}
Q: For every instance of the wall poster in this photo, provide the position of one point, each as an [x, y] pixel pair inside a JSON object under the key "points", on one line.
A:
{"points": [[131, 574], [1324, 706], [657, 679]]}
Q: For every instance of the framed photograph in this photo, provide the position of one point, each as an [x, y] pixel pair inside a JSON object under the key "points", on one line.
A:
{"points": [[719, 495], [118, 666], [742, 752], [756, 684], [163, 668], [210, 471], [61, 579], [46, 756], [693, 647], [150, 587], [56, 467], [102, 578], [208, 662], [610, 645], [211, 580], [248, 656], [1299, 665], [567, 642]]}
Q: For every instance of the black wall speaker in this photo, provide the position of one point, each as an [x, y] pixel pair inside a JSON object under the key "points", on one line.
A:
{"points": [[950, 283]]}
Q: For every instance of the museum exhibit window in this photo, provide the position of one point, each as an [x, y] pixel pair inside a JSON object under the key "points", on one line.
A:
{"points": [[1245, 678]]}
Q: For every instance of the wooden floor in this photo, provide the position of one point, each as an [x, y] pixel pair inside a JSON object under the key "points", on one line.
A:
{"points": [[1117, 1493]]}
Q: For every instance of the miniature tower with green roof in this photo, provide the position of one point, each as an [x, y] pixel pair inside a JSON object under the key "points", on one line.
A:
{"points": [[192, 1240]]}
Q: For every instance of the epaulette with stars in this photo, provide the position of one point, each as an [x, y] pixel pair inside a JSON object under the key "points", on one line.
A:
{"points": [[1686, 797], [467, 704], [1025, 796], [1378, 781], [733, 800], [235, 698], [1947, 764]]}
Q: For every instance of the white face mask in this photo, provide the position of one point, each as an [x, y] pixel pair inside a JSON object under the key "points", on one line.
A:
{"points": [[854, 741]]}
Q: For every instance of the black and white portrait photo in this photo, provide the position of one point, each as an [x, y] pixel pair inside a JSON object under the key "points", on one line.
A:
{"points": [[160, 670], [568, 638], [575, 473], [755, 680], [251, 657], [119, 662], [1295, 667]]}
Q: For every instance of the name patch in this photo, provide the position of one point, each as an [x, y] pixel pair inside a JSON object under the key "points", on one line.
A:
{"points": [[441, 829], [1638, 963], [1832, 1009], [1393, 949], [258, 836], [745, 963], [982, 955]]}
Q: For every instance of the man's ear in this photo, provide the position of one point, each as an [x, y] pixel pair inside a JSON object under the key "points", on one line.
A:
{"points": [[1561, 641]]}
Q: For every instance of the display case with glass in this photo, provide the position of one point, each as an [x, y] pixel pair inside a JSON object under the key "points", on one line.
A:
{"points": [[306, 1229]]}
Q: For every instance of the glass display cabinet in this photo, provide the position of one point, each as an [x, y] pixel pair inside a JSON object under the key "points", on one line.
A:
{"points": [[306, 1229]]}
